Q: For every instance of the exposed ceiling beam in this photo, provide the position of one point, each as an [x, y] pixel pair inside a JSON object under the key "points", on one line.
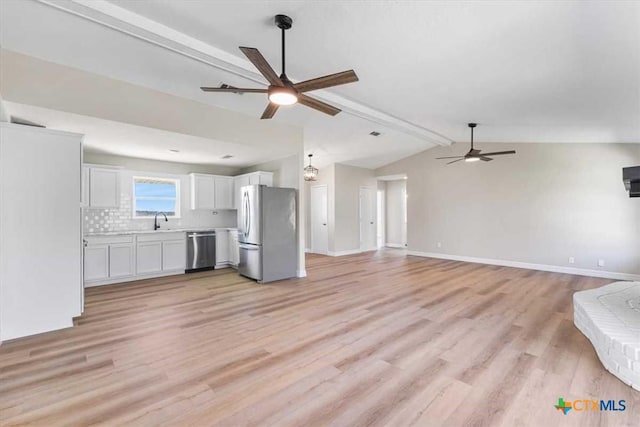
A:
{"points": [[125, 21]]}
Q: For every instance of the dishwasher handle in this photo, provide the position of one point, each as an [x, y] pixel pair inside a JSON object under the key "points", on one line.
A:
{"points": [[195, 236]]}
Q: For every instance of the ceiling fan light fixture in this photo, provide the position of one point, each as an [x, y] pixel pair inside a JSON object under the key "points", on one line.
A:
{"points": [[471, 159], [310, 173], [282, 95]]}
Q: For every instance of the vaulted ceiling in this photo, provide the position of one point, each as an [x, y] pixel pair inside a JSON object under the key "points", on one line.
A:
{"points": [[526, 71]]}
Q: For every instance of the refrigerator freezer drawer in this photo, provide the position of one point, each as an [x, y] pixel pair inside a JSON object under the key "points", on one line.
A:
{"points": [[250, 261]]}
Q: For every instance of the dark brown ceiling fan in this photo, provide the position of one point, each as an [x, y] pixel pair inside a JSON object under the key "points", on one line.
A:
{"points": [[474, 155], [283, 91]]}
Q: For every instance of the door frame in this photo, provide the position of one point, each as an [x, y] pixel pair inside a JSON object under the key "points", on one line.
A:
{"points": [[312, 247]]}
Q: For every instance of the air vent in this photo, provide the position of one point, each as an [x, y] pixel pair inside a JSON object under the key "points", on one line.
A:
{"points": [[375, 133], [226, 86], [227, 156]]}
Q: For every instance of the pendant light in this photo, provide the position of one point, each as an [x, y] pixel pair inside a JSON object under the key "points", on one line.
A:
{"points": [[310, 173]]}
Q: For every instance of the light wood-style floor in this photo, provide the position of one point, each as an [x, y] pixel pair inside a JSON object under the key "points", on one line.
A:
{"points": [[370, 339]]}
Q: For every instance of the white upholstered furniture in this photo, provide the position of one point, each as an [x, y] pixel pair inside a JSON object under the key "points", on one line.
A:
{"points": [[610, 317]]}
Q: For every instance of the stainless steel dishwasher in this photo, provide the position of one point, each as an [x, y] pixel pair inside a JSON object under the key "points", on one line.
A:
{"points": [[201, 250]]}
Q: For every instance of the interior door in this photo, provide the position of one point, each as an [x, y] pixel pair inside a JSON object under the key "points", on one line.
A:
{"points": [[319, 227], [367, 218]]}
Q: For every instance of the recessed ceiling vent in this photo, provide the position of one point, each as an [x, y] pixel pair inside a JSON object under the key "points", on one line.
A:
{"points": [[226, 86], [375, 133], [227, 156]]}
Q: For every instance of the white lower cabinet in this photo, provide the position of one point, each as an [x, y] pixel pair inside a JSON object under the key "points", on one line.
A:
{"points": [[96, 262], [222, 248], [120, 258], [174, 255], [234, 248], [149, 257]]}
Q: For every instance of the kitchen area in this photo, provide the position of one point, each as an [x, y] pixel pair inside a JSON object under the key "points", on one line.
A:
{"points": [[140, 225], [109, 220]]}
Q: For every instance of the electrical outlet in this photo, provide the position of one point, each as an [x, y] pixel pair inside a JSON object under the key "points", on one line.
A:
{"points": [[572, 260], [439, 244], [601, 263]]}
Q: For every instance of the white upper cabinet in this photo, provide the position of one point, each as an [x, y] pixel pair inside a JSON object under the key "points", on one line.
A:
{"points": [[223, 192], [253, 178], [202, 191], [211, 191], [104, 187]]}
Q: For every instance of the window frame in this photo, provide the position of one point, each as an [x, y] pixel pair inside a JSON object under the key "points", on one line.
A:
{"points": [[175, 181]]}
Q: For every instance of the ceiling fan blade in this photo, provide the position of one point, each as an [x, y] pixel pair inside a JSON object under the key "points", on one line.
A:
{"points": [[459, 160], [233, 90], [450, 157], [270, 111], [499, 153], [485, 159], [327, 81], [262, 65], [318, 105]]}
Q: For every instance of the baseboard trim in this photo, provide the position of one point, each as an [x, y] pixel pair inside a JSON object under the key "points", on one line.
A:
{"points": [[301, 273], [343, 253], [395, 245], [531, 266]]}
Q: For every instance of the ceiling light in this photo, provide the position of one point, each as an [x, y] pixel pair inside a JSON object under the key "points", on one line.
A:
{"points": [[282, 95], [310, 173], [471, 159]]}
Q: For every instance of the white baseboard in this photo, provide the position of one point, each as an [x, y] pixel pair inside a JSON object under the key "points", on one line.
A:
{"points": [[343, 253], [394, 245], [531, 266], [301, 273]]}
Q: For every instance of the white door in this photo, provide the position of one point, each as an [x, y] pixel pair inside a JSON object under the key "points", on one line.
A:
{"points": [[149, 257], [319, 227], [367, 218], [121, 260], [174, 255]]}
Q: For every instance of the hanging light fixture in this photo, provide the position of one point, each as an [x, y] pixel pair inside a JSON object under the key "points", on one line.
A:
{"points": [[310, 173]]}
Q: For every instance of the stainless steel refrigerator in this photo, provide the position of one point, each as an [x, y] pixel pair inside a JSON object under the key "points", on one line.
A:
{"points": [[267, 233]]}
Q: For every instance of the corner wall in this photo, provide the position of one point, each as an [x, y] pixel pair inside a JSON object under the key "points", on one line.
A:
{"points": [[539, 207]]}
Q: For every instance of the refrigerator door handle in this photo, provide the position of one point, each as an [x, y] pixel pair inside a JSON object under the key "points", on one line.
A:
{"points": [[245, 215], [249, 247], [248, 216]]}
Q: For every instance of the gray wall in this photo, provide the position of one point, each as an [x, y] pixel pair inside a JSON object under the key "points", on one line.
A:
{"points": [[544, 204], [395, 226]]}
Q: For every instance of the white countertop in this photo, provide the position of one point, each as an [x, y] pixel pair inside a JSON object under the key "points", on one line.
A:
{"points": [[161, 230]]}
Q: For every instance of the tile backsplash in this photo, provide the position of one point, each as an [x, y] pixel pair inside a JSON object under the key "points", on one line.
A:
{"points": [[102, 220]]}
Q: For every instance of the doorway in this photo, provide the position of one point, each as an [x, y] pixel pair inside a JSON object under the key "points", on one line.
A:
{"points": [[368, 234], [319, 214]]}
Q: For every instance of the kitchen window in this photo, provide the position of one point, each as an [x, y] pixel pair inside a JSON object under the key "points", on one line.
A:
{"points": [[152, 194]]}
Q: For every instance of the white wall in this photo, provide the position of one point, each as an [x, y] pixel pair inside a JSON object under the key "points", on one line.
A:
{"points": [[157, 165], [544, 204], [395, 225]]}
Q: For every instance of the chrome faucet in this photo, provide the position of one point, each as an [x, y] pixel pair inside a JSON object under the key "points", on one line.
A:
{"points": [[155, 220]]}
